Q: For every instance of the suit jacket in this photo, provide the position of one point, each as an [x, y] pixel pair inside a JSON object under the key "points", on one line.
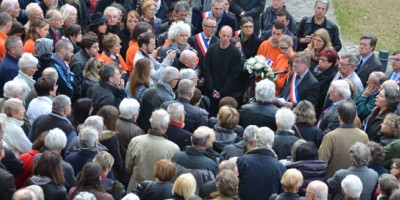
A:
{"points": [[52, 36], [389, 74], [372, 64], [329, 120], [367, 176], [307, 89], [226, 20], [196, 45]]}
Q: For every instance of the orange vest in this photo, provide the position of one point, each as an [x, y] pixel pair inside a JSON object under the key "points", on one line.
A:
{"points": [[130, 54], [107, 59], [3, 38], [281, 64]]}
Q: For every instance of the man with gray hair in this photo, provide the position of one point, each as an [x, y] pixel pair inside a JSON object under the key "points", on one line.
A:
{"points": [[237, 149], [284, 137], [365, 101], [157, 95], [61, 109], [351, 187], [262, 111], [360, 156], [88, 141], [194, 117], [190, 74], [339, 92], [175, 131], [347, 67], [56, 22], [126, 125], [9, 63], [255, 182], [145, 150], [11, 7], [317, 190], [33, 11], [111, 13]]}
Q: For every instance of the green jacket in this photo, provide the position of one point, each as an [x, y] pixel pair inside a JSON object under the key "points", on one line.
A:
{"points": [[392, 150], [365, 105]]}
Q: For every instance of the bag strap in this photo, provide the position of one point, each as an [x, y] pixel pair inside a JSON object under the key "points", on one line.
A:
{"points": [[146, 190], [301, 137]]}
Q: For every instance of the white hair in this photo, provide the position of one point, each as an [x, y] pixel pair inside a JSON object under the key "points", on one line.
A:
{"points": [[284, 119], [66, 10], [55, 139], [27, 61], [159, 119], [84, 196], [110, 9], [265, 90], [131, 196], [352, 186], [265, 138], [31, 8], [168, 74], [178, 28], [319, 189], [12, 89], [175, 110], [342, 88], [250, 132], [128, 108], [60, 102], [7, 5], [187, 73], [185, 88], [95, 122], [87, 137]]}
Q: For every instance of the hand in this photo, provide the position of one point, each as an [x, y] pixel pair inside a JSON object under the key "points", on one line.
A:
{"points": [[121, 84], [242, 14], [369, 91], [216, 94], [155, 52], [171, 55], [288, 104]]}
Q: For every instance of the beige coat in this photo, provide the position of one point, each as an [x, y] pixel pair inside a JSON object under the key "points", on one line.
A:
{"points": [[143, 153], [335, 147]]}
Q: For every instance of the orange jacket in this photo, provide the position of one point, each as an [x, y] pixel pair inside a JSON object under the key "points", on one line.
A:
{"points": [[281, 64], [29, 46], [130, 54], [3, 38], [267, 50], [107, 59]]}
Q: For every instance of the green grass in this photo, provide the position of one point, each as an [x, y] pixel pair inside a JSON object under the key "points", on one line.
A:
{"points": [[379, 17]]}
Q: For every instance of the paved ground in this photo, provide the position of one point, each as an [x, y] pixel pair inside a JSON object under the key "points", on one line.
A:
{"points": [[301, 8]]}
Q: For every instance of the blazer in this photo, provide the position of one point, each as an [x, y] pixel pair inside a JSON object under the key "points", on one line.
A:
{"points": [[192, 41], [307, 89], [372, 64]]}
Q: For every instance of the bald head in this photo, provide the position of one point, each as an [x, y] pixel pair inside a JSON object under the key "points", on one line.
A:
{"points": [[391, 83], [201, 136], [24, 193], [318, 189], [51, 73], [187, 58], [228, 164]]}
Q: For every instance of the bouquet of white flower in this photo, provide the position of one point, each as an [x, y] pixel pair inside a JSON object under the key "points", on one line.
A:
{"points": [[260, 66]]}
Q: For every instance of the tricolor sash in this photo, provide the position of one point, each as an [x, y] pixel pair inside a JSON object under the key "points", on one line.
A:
{"points": [[293, 89], [207, 14], [237, 33], [203, 44]]}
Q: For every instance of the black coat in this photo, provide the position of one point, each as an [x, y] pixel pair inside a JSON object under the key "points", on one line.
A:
{"points": [[371, 65], [252, 8], [51, 190], [125, 37], [77, 66], [311, 170], [179, 136], [7, 184], [372, 124], [149, 190], [259, 114], [308, 132], [324, 78], [283, 143], [196, 46], [255, 182], [307, 89], [151, 100], [195, 158], [11, 163], [194, 117], [103, 94]]}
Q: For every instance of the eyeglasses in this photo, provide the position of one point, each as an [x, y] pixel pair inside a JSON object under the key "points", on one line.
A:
{"points": [[210, 27], [248, 27], [395, 59], [394, 167], [283, 48]]}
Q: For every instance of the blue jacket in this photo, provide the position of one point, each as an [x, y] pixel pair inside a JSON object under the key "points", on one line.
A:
{"points": [[8, 70]]}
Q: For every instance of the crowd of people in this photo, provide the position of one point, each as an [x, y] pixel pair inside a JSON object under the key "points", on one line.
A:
{"points": [[149, 99]]}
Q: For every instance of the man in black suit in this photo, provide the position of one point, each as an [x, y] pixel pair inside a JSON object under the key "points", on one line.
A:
{"points": [[175, 131], [222, 18], [301, 84], [201, 41], [395, 73], [368, 62], [56, 22]]}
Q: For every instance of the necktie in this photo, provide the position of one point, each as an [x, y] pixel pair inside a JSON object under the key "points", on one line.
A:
{"points": [[360, 64], [56, 36]]}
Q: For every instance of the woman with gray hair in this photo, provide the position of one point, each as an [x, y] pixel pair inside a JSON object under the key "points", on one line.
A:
{"points": [[15, 137], [178, 34], [27, 68], [12, 89], [284, 137], [360, 157]]}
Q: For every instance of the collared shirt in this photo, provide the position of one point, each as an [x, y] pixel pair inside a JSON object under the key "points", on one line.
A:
{"points": [[364, 59]]}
